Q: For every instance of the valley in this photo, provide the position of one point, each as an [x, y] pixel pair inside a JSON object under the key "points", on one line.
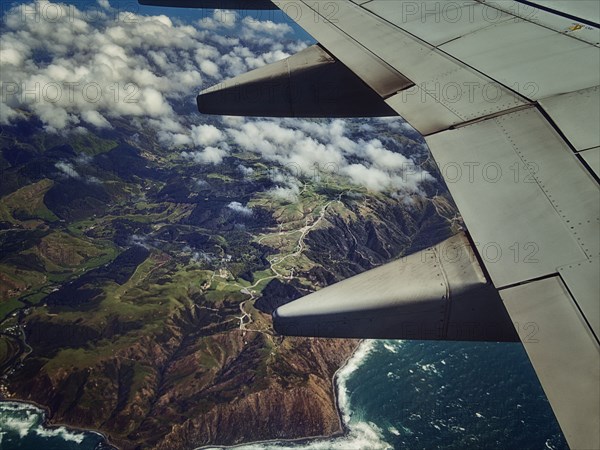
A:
{"points": [[137, 285]]}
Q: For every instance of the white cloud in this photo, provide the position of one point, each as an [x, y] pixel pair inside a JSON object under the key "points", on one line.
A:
{"points": [[210, 155], [206, 135], [209, 68], [225, 17], [240, 209], [96, 119], [96, 69], [67, 169], [246, 171], [324, 149], [254, 62], [288, 194], [108, 69], [252, 27], [154, 104], [221, 18], [174, 139], [146, 69], [11, 56], [142, 241]]}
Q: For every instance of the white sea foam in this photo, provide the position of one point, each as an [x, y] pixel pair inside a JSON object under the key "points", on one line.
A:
{"points": [[390, 347], [24, 419], [343, 396], [429, 368], [16, 406], [393, 346], [361, 434], [61, 432], [21, 423], [394, 430]]}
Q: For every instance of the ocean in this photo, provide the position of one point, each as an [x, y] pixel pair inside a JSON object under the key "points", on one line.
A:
{"points": [[438, 395], [391, 395], [21, 427]]}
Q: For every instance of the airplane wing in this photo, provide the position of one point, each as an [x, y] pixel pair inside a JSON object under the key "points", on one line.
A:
{"points": [[506, 94]]}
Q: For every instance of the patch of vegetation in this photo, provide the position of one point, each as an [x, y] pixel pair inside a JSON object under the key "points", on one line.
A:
{"points": [[15, 282], [9, 349], [27, 203], [91, 144], [8, 305], [220, 176]]}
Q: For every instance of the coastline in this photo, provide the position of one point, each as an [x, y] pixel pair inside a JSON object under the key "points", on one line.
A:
{"points": [[47, 423], [334, 381], [335, 384], [343, 431]]}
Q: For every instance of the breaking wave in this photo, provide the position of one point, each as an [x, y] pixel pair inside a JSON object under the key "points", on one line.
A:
{"points": [[390, 394], [361, 433], [22, 426], [451, 395]]}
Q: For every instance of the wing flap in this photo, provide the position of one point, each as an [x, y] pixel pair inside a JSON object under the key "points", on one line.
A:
{"points": [[439, 293], [581, 278], [592, 159], [577, 114], [528, 202], [567, 360]]}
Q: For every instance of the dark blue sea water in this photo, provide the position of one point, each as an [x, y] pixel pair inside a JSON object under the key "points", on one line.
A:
{"points": [[452, 396], [439, 395]]}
